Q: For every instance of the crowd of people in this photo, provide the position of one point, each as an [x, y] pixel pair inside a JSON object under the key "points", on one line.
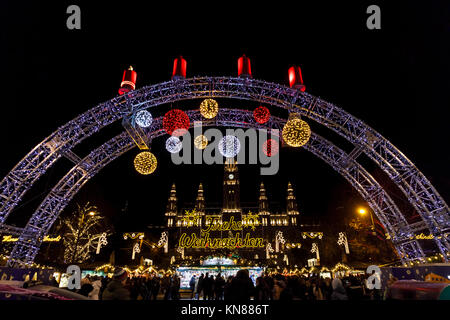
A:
{"points": [[238, 287]]}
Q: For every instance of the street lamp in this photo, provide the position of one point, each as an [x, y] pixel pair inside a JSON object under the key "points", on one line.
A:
{"points": [[362, 211], [92, 213]]}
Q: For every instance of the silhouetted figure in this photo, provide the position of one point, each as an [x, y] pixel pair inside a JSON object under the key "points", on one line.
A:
{"points": [[208, 284], [219, 284], [339, 292], [241, 287], [115, 290], [200, 286]]}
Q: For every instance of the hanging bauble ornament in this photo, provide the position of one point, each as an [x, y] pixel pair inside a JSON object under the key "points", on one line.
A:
{"points": [[145, 162], [261, 114], [174, 145], [200, 142], [176, 122], [229, 146], [296, 132], [143, 118], [270, 147], [209, 108]]}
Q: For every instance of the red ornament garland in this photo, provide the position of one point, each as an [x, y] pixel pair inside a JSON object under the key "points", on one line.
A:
{"points": [[176, 122], [270, 147], [261, 114]]}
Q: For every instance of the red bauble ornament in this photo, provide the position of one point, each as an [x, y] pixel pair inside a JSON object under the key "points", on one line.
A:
{"points": [[270, 147], [176, 122], [261, 114]]}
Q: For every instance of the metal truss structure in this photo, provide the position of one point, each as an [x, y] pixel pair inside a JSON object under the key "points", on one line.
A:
{"points": [[433, 210]]}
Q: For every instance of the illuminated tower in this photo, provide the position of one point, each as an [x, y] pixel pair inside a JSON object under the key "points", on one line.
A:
{"points": [[200, 201], [263, 205], [171, 209], [231, 203], [291, 205]]}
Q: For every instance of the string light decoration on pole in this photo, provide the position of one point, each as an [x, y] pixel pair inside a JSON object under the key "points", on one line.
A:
{"points": [[269, 250], [279, 239], [261, 114], [286, 259], [102, 241], [173, 144], [200, 142], [164, 241], [229, 146], [145, 163], [176, 122], [270, 147], [143, 119], [315, 249], [342, 240], [180, 250], [296, 132], [209, 108], [136, 249]]}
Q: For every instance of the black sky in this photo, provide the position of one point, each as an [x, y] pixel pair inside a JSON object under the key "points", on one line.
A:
{"points": [[395, 79]]}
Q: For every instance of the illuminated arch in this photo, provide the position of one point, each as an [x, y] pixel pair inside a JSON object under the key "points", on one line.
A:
{"points": [[433, 210]]}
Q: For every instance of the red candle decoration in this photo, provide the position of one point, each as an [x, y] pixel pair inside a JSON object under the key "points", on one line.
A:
{"points": [[176, 122], [270, 147], [128, 81], [261, 114]]}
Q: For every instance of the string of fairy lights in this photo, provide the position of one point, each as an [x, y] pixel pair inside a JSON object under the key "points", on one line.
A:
{"points": [[296, 133]]}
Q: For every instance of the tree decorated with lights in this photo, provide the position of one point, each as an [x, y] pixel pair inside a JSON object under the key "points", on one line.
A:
{"points": [[84, 230]]}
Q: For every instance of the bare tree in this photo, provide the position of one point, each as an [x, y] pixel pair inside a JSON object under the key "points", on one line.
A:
{"points": [[83, 231]]}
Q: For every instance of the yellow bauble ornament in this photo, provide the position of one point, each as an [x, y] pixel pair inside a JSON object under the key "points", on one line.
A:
{"points": [[145, 162], [209, 108], [200, 142], [296, 132]]}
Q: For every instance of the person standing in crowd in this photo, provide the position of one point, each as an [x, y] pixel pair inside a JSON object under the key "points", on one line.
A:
{"points": [[261, 289], [96, 284], [85, 289], [339, 292], [316, 290], [219, 284], [287, 293], [326, 289], [192, 285], [227, 289], [196, 289], [165, 286], [241, 287], [200, 286], [175, 287], [104, 281], [86, 280], [115, 290], [208, 284], [278, 287], [154, 287], [270, 283]]}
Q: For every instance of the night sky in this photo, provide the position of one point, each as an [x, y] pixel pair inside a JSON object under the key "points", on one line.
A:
{"points": [[395, 79]]}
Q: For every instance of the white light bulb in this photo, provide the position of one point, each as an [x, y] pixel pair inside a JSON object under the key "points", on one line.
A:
{"points": [[229, 146], [143, 118], [173, 144]]}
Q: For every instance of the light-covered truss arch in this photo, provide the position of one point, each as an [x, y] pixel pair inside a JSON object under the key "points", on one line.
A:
{"points": [[55, 202], [433, 210]]}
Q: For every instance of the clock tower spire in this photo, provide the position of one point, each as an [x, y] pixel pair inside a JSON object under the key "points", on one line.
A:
{"points": [[231, 202]]}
